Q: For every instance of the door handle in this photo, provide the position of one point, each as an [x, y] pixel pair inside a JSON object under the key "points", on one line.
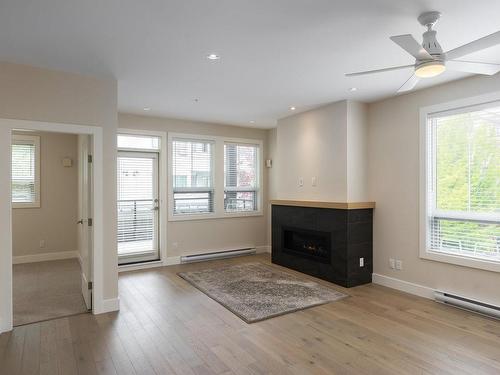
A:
{"points": [[80, 221]]}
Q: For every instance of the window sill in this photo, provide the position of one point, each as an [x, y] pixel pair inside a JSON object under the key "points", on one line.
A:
{"points": [[26, 205], [214, 216], [460, 260]]}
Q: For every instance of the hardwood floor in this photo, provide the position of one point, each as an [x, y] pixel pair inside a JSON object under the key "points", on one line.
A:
{"points": [[166, 326]]}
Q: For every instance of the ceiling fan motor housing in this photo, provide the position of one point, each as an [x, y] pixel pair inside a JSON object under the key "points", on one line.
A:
{"points": [[431, 44]]}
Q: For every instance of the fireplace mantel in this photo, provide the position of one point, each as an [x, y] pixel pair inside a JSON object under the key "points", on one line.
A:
{"points": [[327, 204]]}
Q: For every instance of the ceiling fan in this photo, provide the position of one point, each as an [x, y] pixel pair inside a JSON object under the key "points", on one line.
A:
{"points": [[430, 60]]}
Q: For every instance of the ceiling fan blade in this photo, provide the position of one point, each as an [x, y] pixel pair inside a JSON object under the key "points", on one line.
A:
{"points": [[409, 84], [379, 70], [410, 45], [473, 67], [477, 45]]}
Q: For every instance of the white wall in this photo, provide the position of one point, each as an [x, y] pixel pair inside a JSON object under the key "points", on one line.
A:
{"points": [[31, 93], [328, 143], [313, 144], [357, 152], [393, 153], [55, 220], [201, 236]]}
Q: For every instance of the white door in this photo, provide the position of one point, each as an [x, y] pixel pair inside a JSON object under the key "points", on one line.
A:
{"points": [[85, 234], [138, 207]]}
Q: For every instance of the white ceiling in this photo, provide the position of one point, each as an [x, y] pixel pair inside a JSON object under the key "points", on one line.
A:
{"points": [[275, 53]]}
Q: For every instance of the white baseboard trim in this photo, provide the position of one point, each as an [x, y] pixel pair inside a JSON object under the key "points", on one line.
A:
{"points": [[4, 327], [404, 286], [169, 261], [43, 257], [263, 249], [108, 305]]}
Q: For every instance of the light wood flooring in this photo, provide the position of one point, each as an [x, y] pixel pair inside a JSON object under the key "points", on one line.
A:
{"points": [[166, 326]]}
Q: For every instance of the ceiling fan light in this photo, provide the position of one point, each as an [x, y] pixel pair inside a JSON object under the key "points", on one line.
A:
{"points": [[430, 69]]}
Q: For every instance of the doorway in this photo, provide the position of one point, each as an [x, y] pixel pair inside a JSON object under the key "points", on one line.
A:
{"points": [[141, 225], [138, 207], [25, 188], [51, 225]]}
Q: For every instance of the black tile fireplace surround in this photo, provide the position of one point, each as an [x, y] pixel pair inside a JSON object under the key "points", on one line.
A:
{"points": [[324, 242]]}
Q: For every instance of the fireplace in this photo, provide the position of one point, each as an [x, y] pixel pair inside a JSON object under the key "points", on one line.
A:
{"points": [[308, 244], [334, 244]]}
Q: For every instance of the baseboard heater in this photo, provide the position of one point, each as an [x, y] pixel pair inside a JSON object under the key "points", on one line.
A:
{"points": [[217, 255], [468, 304]]}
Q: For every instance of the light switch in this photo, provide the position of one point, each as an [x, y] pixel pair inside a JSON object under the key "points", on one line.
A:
{"points": [[67, 162]]}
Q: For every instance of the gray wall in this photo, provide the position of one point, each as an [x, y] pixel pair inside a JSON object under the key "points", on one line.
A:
{"points": [[199, 236], [393, 154], [54, 221]]}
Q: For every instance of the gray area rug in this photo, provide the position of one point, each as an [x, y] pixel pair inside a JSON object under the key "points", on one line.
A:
{"points": [[256, 291]]}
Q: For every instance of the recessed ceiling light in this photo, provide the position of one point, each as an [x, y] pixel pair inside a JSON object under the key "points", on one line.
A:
{"points": [[252, 121], [213, 56], [292, 108], [352, 89], [147, 109]]}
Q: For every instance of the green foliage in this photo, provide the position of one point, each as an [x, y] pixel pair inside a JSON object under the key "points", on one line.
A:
{"points": [[467, 177]]}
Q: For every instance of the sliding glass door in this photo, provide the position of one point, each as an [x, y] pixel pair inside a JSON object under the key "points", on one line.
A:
{"points": [[138, 206]]}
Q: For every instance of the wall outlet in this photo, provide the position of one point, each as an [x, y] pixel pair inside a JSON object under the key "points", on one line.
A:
{"points": [[314, 181], [301, 181], [361, 262], [175, 245], [42, 244], [392, 263], [399, 265]]}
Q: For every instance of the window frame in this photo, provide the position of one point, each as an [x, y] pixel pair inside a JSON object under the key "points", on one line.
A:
{"points": [[426, 202], [258, 168], [217, 177], [197, 215], [35, 141]]}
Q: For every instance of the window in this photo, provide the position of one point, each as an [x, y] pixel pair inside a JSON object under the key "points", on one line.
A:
{"points": [[213, 177], [463, 182], [240, 177], [192, 166], [25, 171], [138, 142]]}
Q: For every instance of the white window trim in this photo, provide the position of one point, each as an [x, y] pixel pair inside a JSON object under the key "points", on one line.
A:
{"points": [[456, 106], [217, 176], [35, 140]]}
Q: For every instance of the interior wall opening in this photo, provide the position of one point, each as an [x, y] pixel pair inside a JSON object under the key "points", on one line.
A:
{"points": [[52, 237]]}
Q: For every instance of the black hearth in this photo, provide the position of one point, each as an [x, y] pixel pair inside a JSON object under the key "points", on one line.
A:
{"points": [[329, 243]]}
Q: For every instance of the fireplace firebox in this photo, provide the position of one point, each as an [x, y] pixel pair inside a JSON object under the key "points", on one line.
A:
{"points": [[308, 244]]}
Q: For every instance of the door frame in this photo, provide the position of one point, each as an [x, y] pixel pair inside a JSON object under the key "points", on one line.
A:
{"points": [[162, 194], [6, 128], [153, 155]]}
